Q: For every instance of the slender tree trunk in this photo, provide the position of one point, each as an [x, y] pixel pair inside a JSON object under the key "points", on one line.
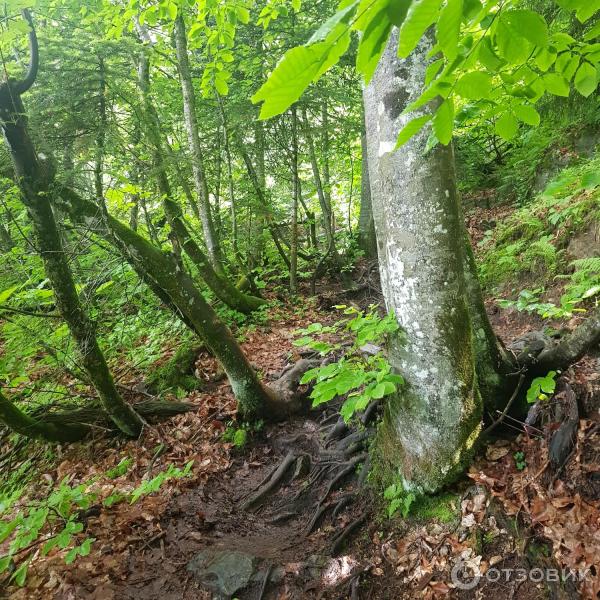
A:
{"points": [[191, 126], [36, 185], [431, 426], [231, 186], [323, 201], [367, 240], [263, 202], [294, 216], [16, 420], [223, 289]]}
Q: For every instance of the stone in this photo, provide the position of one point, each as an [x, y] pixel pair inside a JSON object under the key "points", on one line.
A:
{"points": [[223, 571]]}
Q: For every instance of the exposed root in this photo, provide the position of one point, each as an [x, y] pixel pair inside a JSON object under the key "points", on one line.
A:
{"points": [[273, 481], [339, 540], [350, 466], [319, 513]]}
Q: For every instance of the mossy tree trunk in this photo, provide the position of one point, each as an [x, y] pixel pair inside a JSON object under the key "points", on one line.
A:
{"points": [[430, 428], [161, 270], [35, 181]]}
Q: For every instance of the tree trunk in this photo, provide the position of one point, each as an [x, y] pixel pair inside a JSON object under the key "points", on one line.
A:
{"points": [[296, 193], [36, 183], [431, 426], [16, 420], [367, 241], [254, 399], [223, 289], [191, 126], [323, 198]]}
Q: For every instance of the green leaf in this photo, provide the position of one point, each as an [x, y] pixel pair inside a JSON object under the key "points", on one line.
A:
{"points": [[443, 122], [586, 79], [297, 69], [20, 575], [411, 128], [476, 85], [527, 24], [556, 84], [172, 10], [421, 15], [372, 44], [488, 57], [342, 16], [506, 126], [397, 11], [527, 114], [432, 70], [6, 294], [448, 28], [243, 14]]}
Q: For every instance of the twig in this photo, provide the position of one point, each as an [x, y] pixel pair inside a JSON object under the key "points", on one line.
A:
{"points": [[507, 408]]}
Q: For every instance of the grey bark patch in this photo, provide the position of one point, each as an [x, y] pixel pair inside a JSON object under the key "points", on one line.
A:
{"points": [[223, 571]]}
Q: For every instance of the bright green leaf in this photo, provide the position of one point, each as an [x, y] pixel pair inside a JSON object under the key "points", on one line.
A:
{"points": [[556, 84], [527, 113], [443, 122], [475, 85], [448, 28], [506, 126], [421, 15], [586, 79], [411, 128]]}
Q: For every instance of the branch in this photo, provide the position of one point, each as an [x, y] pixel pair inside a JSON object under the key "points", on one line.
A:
{"points": [[34, 57]]}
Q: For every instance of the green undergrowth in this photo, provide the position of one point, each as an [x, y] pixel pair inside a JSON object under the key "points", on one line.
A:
{"points": [[530, 248]]}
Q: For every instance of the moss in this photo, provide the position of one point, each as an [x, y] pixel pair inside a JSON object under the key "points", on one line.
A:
{"points": [[444, 508], [177, 372]]}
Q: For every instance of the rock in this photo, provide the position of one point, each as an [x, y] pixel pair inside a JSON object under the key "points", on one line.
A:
{"points": [[585, 244], [223, 571]]}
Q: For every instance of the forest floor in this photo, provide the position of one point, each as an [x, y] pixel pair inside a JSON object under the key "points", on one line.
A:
{"points": [[318, 531]]}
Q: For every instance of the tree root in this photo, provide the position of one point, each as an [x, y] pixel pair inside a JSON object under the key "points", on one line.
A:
{"points": [[348, 468], [340, 538], [319, 513], [274, 480]]}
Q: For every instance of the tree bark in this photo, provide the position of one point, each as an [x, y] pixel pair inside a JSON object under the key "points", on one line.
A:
{"points": [[254, 399], [191, 126], [431, 426]]}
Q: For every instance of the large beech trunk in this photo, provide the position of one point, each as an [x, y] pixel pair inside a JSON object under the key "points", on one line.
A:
{"points": [[431, 426], [36, 182]]}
